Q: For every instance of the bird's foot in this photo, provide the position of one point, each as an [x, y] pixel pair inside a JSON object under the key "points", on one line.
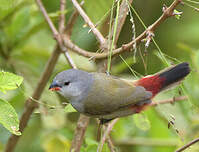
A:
{"points": [[108, 73], [104, 121]]}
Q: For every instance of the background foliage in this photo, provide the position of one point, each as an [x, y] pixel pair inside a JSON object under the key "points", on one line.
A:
{"points": [[26, 43]]}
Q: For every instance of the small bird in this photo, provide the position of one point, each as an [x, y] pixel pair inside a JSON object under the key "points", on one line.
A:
{"points": [[107, 97]]}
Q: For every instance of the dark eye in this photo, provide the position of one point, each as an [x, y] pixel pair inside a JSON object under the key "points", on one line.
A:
{"points": [[66, 83]]}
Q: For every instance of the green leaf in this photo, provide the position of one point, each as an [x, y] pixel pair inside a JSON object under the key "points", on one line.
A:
{"points": [[69, 108], [9, 81], [141, 121], [9, 118]]}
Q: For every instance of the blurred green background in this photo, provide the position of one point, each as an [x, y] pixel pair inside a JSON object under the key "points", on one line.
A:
{"points": [[26, 43]]}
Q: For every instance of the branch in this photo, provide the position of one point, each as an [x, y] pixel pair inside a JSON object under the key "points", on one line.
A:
{"points": [[106, 133], [79, 133], [62, 16], [62, 29], [95, 31], [172, 100], [188, 145], [51, 25], [56, 34], [70, 60], [121, 19], [70, 24], [168, 12], [30, 105], [47, 18], [110, 144]]}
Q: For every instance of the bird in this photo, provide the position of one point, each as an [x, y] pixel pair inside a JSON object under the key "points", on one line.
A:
{"points": [[107, 97]]}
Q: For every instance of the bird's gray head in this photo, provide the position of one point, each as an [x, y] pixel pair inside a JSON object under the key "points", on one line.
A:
{"points": [[72, 84]]}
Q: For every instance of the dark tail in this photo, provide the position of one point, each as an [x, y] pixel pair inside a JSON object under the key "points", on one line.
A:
{"points": [[174, 74], [165, 79]]}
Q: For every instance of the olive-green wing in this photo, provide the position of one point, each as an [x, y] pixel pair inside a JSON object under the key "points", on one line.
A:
{"points": [[109, 93]]}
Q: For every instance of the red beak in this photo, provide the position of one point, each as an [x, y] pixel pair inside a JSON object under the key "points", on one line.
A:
{"points": [[54, 87]]}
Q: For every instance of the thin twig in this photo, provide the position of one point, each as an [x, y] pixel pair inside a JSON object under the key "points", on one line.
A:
{"points": [[166, 14], [70, 23], [61, 31], [95, 31], [62, 16], [79, 133], [106, 133], [48, 20], [70, 60], [188, 145], [110, 144], [30, 105], [122, 17], [56, 34], [172, 100]]}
